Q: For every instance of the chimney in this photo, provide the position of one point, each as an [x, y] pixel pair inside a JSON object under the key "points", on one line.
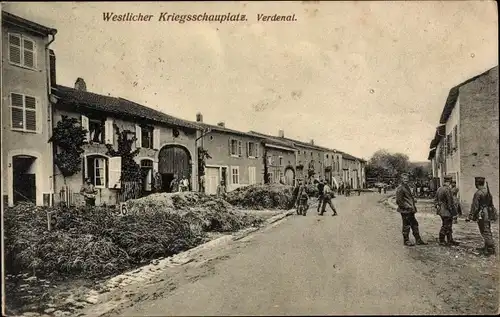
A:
{"points": [[199, 117], [52, 68], [80, 84], [281, 133], [221, 124], [312, 141]]}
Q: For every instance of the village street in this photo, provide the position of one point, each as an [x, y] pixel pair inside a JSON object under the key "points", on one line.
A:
{"points": [[354, 263]]}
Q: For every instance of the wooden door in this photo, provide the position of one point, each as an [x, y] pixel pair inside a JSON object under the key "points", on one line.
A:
{"points": [[289, 176], [174, 160], [211, 180]]}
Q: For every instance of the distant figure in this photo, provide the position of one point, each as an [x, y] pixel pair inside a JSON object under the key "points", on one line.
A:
{"points": [[327, 200], [406, 207], [157, 182], [321, 186], [221, 190], [174, 185], [446, 209], [302, 198], [184, 184], [89, 193], [456, 200], [483, 211], [347, 190], [202, 184]]}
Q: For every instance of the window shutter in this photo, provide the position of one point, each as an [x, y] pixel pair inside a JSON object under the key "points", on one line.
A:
{"points": [[240, 148], [15, 48], [156, 138], [138, 136], [230, 146], [149, 178], [85, 125], [29, 53], [257, 149], [108, 131], [248, 149], [115, 172]]}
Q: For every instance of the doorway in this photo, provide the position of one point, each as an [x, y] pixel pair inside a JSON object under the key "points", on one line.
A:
{"points": [[173, 160], [24, 178]]}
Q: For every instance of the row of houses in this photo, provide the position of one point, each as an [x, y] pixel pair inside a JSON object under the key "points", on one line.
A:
{"points": [[33, 103], [465, 143]]}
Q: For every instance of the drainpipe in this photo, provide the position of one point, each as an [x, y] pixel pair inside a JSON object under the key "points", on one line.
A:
{"points": [[49, 110]]}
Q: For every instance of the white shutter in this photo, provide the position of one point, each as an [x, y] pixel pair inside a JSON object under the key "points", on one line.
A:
{"points": [[156, 138], [138, 136], [85, 125], [115, 172], [108, 131], [149, 177], [240, 148]]}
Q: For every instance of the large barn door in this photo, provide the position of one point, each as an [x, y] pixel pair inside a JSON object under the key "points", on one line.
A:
{"points": [[173, 160]]}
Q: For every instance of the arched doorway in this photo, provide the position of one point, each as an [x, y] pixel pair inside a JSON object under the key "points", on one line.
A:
{"points": [[173, 160], [24, 169], [289, 176]]}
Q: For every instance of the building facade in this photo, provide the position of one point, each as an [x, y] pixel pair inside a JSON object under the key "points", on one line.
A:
{"points": [[466, 140], [235, 157], [26, 111], [165, 144]]}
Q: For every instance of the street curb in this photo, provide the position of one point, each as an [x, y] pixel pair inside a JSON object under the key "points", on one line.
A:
{"points": [[157, 265]]}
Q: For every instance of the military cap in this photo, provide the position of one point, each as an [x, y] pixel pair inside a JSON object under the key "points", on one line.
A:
{"points": [[479, 180], [448, 178]]}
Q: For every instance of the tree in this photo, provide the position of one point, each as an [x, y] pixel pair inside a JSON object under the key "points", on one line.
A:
{"points": [[387, 165], [131, 171], [68, 137]]}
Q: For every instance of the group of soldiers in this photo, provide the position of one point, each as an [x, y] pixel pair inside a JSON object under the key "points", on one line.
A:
{"points": [[325, 196], [448, 208]]}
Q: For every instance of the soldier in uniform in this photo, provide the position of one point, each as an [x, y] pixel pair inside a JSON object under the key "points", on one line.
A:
{"points": [[406, 207], [89, 193], [479, 212], [321, 186], [327, 200], [302, 198], [456, 200], [446, 209]]}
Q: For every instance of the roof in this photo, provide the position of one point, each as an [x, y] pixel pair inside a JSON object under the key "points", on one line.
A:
{"points": [[28, 25], [432, 154], [453, 96], [274, 140], [114, 105], [226, 130]]}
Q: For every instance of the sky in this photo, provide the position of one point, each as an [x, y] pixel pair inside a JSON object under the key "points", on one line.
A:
{"points": [[353, 76]]}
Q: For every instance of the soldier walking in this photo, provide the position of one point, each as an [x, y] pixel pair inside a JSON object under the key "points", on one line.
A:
{"points": [[483, 211], [327, 200], [406, 207], [446, 209]]}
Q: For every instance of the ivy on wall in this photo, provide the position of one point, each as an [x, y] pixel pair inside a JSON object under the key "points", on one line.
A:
{"points": [[131, 171], [68, 136]]}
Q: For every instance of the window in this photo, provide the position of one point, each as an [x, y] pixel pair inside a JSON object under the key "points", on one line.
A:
{"points": [[252, 149], [448, 144], [311, 154], [21, 50], [23, 112], [281, 160], [270, 160], [147, 137], [235, 174], [235, 147], [147, 174], [252, 175], [96, 170], [96, 129]]}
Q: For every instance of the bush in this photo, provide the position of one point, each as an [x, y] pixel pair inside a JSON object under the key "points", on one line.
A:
{"points": [[272, 196]]}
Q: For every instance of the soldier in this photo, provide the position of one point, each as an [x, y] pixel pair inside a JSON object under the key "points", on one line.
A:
{"points": [[456, 200], [446, 209], [221, 190], [302, 198], [406, 207], [321, 186], [89, 193], [479, 212], [157, 182], [327, 199]]}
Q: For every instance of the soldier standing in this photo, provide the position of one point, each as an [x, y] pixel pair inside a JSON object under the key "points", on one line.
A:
{"points": [[406, 207], [89, 193], [327, 200], [456, 200], [446, 209], [157, 182], [482, 203], [321, 186]]}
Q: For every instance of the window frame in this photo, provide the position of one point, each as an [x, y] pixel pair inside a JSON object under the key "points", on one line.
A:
{"points": [[238, 148], [237, 169], [22, 49], [147, 130], [24, 110], [103, 130], [255, 154], [104, 168]]}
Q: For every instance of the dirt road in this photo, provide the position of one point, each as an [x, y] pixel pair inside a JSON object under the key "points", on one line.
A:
{"points": [[353, 263]]}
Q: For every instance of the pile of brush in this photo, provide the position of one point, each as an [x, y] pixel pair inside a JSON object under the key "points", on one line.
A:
{"points": [[273, 196]]}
